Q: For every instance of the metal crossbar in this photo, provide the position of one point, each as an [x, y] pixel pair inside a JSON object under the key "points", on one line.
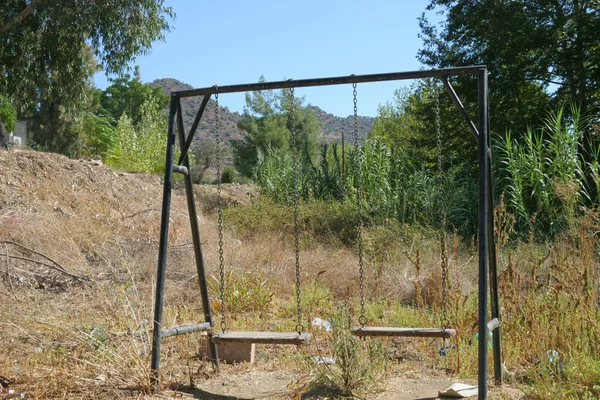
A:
{"points": [[338, 80]]}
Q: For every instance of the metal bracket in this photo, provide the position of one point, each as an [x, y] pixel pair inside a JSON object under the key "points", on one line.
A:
{"points": [[188, 141], [460, 106]]}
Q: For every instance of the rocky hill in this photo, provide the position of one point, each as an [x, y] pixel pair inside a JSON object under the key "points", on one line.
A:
{"points": [[332, 126]]}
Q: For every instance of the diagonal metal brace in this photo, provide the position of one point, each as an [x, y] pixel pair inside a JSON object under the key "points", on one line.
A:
{"points": [[460, 106], [188, 141]]}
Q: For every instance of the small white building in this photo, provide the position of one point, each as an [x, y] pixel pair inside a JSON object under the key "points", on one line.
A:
{"points": [[18, 138]]}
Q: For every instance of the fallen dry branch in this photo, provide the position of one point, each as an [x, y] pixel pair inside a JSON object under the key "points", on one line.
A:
{"points": [[49, 266], [55, 266], [141, 212]]}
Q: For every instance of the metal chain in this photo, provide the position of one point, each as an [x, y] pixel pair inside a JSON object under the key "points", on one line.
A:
{"points": [[443, 258], [299, 326], [220, 213], [361, 270]]}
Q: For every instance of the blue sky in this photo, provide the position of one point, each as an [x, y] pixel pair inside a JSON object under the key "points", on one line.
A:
{"points": [[231, 42]]}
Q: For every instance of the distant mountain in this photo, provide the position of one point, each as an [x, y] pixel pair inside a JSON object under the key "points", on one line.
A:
{"points": [[332, 126], [190, 105]]}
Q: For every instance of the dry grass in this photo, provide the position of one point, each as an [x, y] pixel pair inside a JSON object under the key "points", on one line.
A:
{"points": [[89, 338]]}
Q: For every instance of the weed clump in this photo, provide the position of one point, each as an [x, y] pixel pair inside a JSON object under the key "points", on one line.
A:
{"points": [[356, 366]]}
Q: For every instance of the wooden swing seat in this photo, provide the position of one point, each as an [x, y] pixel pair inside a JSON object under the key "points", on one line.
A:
{"points": [[261, 337], [403, 332]]}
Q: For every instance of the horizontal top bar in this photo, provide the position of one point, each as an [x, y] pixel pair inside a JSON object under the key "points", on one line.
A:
{"points": [[340, 80]]}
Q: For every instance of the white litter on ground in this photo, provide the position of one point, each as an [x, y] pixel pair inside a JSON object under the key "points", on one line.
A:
{"points": [[459, 391]]}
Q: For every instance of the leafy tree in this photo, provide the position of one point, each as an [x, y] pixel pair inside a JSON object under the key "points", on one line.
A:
{"points": [[474, 33], [126, 95], [205, 153], [267, 121], [408, 126], [528, 45], [45, 47], [539, 53]]}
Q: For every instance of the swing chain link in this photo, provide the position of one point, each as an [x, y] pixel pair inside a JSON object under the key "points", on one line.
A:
{"points": [[443, 257], [299, 326], [220, 213], [361, 270]]}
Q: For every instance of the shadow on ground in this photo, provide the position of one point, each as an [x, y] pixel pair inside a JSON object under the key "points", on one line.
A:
{"points": [[202, 394]]}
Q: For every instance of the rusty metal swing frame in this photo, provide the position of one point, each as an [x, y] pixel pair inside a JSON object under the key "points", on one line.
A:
{"points": [[488, 274]]}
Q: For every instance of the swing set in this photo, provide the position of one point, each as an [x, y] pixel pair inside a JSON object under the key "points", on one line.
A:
{"points": [[487, 256]]}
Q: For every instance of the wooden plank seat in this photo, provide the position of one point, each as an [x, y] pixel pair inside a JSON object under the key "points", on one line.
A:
{"points": [[403, 332], [261, 337]]}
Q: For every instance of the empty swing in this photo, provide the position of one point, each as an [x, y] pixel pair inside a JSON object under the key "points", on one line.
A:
{"points": [[226, 336], [363, 330]]}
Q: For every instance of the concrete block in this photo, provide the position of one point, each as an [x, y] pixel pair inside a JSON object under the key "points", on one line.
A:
{"points": [[231, 353]]}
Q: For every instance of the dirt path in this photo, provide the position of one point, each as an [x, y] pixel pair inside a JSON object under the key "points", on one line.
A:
{"points": [[274, 385]]}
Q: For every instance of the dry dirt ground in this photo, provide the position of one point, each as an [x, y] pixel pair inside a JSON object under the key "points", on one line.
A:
{"points": [[78, 249], [257, 383]]}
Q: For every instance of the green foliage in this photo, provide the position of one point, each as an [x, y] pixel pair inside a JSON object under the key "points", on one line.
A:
{"points": [[205, 153], [42, 44], [393, 185], [267, 121], [542, 176], [326, 180], [534, 45], [243, 292], [360, 365], [399, 177], [49, 52], [228, 175], [532, 41], [322, 222], [8, 114], [274, 174], [126, 95], [407, 125], [142, 147], [96, 136]]}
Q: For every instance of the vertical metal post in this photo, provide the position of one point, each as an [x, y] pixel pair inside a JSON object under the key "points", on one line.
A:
{"points": [[162, 246], [483, 231], [493, 275], [343, 157], [189, 192]]}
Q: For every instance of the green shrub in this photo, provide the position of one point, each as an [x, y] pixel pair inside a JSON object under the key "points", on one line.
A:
{"points": [[142, 147], [360, 365], [96, 136], [228, 175], [8, 114]]}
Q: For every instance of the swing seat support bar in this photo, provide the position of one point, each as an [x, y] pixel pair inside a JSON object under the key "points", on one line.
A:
{"points": [[180, 330]]}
